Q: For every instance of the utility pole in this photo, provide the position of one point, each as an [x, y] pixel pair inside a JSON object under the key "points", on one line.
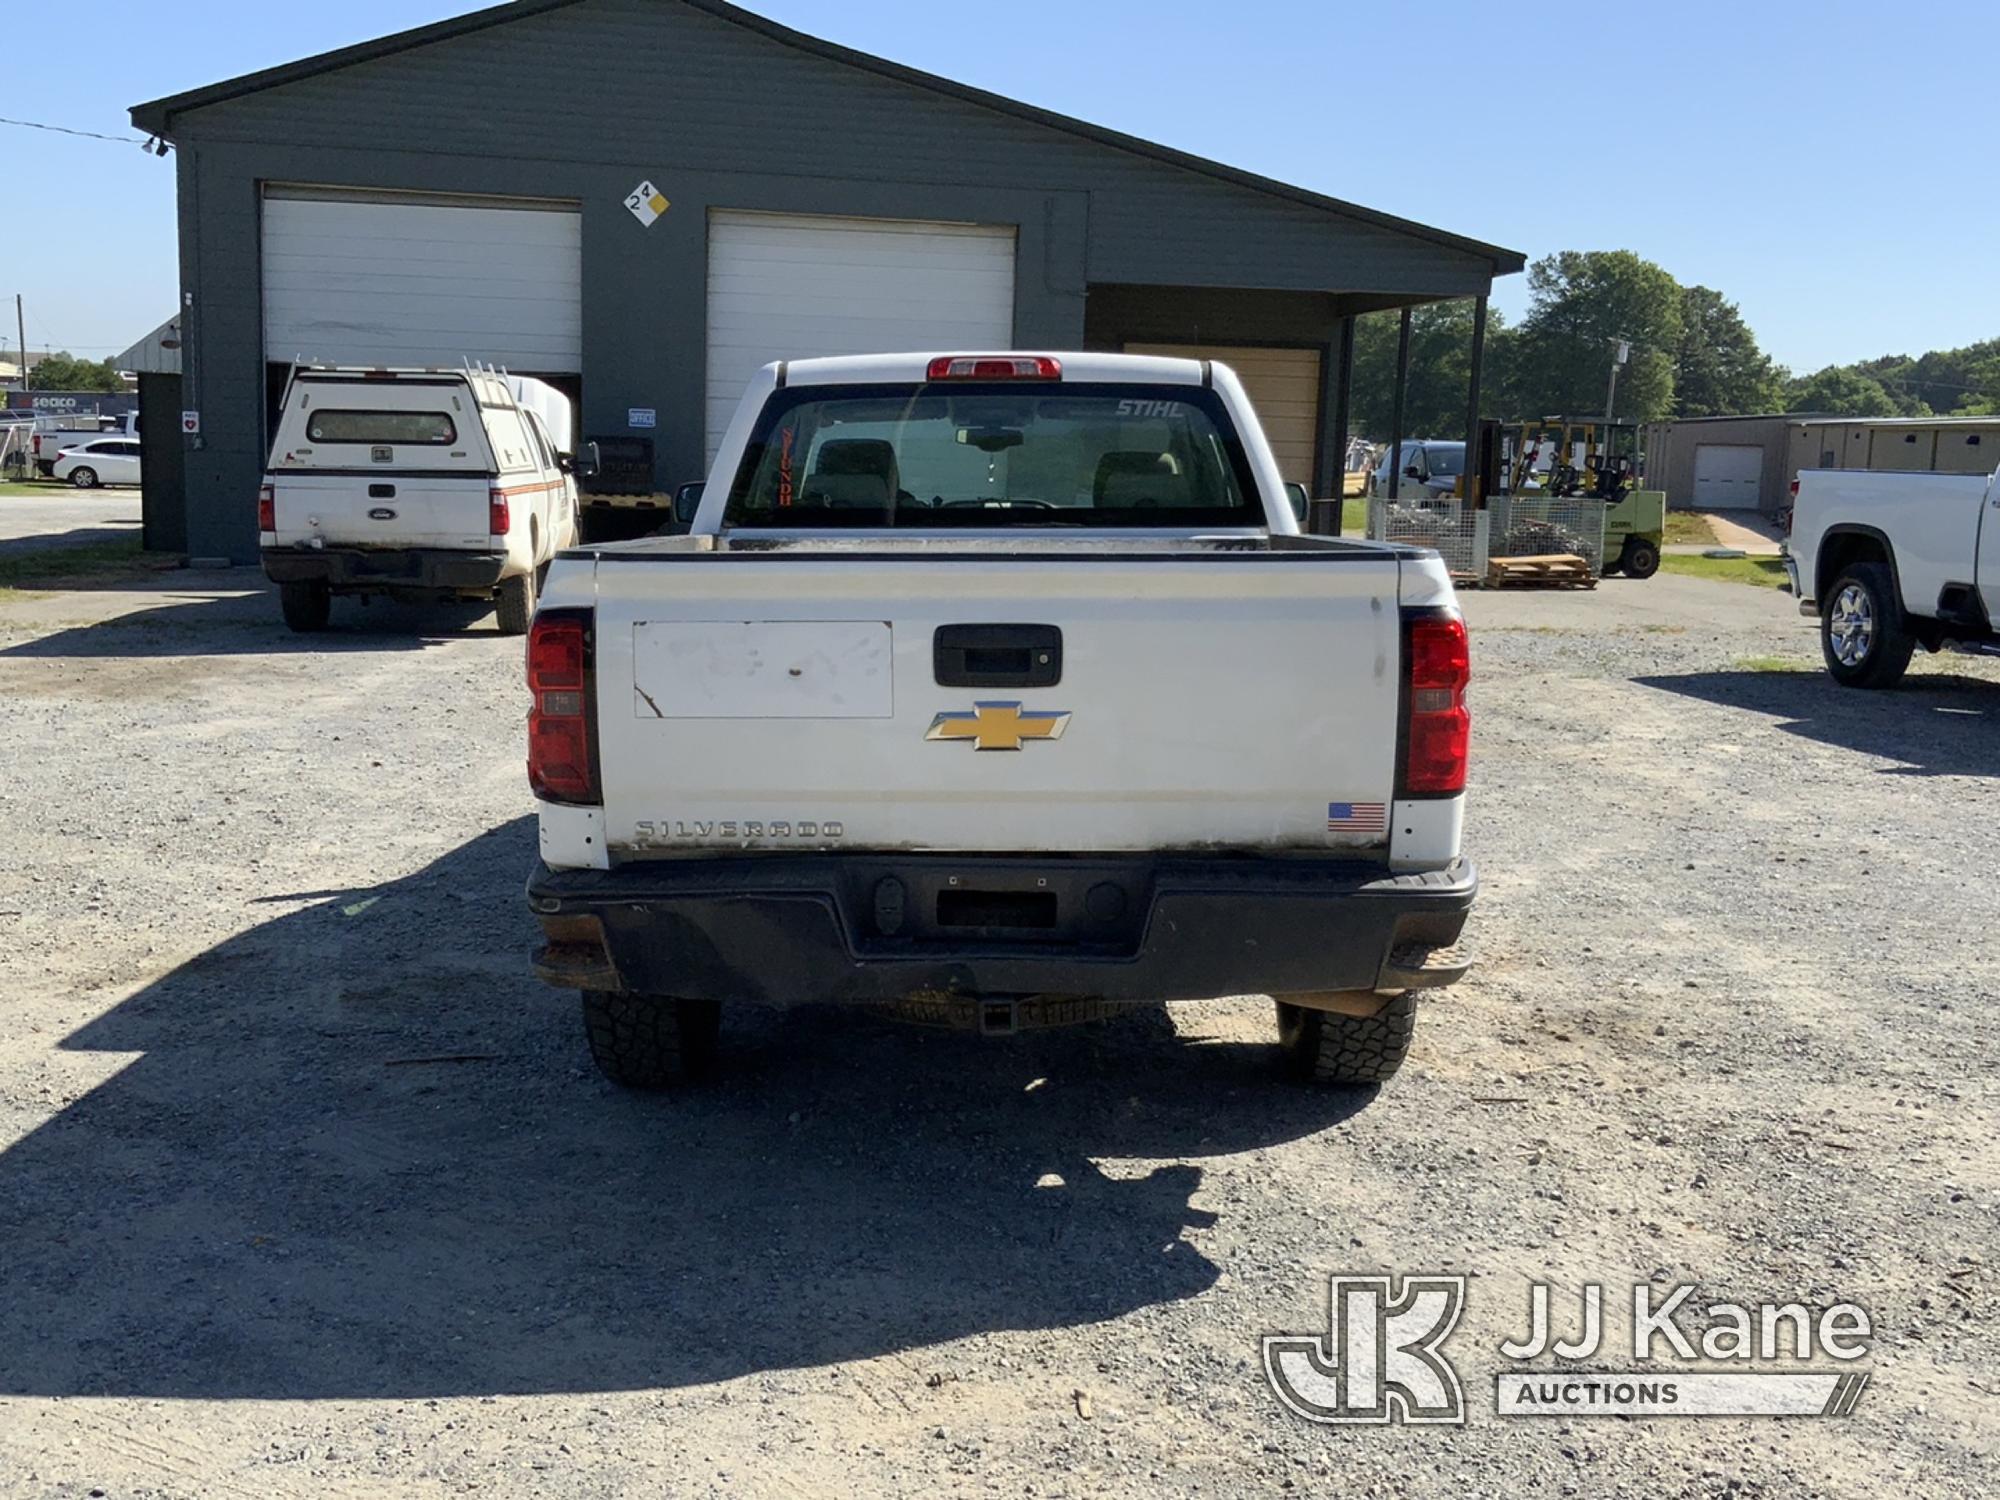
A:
{"points": [[21, 328], [1621, 353]]}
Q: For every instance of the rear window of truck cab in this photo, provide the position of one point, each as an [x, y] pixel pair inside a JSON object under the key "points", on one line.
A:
{"points": [[991, 455], [334, 424]]}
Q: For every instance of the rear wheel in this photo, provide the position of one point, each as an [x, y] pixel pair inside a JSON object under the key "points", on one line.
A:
{"points": [[1862, 633], [651, 1041], [1640, 559], [307, 604], [1321, 1047], [514, 603], [83, 479]]}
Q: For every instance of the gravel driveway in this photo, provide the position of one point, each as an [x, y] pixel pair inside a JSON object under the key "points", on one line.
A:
{"points": [[307, 1189]]}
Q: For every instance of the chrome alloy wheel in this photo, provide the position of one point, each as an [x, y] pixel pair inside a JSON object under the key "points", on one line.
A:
{"points": [[1851, 628]]}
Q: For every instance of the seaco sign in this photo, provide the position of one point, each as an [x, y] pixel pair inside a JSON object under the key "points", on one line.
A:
{"points": [[71, 403]]}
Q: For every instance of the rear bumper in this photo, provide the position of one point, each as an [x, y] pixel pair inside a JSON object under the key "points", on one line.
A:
{"points": [[878, 930], [384, 567]]}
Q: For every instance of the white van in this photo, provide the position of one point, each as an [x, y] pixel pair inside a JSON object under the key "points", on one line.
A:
{"points": [[449, 484]]}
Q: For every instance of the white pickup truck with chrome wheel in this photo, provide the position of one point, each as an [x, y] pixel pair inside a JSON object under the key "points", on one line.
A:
{"points": [[998, 691], [1893, 561]]}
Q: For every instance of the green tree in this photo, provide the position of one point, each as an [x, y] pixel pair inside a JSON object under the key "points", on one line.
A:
{"points": [[1718, 368], [1585, 302], [1440, 369], [65, 372], [1841, 391], [1964, 380], [1981, 396]]}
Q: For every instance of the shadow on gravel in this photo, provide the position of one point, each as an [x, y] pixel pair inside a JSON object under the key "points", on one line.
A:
{"points": [[110, 529], [1936, 725], [239, 623], [286, 1194]]}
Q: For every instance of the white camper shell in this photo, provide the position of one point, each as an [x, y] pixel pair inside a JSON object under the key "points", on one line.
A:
{"points": [[455, 484]]}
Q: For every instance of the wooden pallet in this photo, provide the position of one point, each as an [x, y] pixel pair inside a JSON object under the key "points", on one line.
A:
{"points": [[1553, 570]]}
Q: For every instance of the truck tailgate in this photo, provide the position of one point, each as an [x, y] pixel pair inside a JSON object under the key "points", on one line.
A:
{"points": [[384, 509], [1227, 701]]}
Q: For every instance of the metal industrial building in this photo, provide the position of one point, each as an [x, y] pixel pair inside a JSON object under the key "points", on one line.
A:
{"points": [[1749, 463], [644, 200]]}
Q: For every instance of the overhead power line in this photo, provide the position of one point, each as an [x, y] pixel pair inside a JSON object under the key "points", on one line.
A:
{"points": [[90, 135]]}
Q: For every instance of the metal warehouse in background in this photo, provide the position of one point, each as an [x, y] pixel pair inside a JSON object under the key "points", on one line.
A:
{"points": [[645, 200], [1749, 463]]}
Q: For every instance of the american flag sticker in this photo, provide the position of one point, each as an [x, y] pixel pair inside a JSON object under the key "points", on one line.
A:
{"points": [[1357, 817]]}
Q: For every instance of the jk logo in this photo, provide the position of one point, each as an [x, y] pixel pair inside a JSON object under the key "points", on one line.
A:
{"points": [[1379, 1359]]}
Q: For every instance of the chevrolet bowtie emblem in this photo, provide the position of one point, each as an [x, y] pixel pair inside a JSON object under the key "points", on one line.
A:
{"points": [[998, 726]]}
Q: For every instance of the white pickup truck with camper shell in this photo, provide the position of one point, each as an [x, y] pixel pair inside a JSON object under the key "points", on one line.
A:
{"points": [[1892, 561], [998, 691], [432, 484]]}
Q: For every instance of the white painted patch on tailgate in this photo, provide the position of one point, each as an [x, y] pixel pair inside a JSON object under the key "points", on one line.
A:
{"points": [[762, 669]]}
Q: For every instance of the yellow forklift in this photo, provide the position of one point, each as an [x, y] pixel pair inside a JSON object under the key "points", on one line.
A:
{"points": [[1562, 458]]}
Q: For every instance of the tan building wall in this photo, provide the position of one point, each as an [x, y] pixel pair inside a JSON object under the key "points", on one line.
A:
{"points": [[1676, 463]]}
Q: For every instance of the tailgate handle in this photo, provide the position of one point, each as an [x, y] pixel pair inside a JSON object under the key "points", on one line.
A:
{"points": [[381, 492], [996, 656]]}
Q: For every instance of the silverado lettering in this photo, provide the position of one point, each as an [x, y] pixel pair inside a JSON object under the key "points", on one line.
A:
{"points": [[671, 830]]}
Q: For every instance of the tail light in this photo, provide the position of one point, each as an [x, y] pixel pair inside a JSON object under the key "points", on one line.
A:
{"points": [[499, 520], [996, 367], [562, 761], [1437, 727], [267, 507]]}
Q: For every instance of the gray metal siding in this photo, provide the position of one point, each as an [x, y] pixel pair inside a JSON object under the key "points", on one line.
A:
{"points": [[583, 102], [659, 85]]}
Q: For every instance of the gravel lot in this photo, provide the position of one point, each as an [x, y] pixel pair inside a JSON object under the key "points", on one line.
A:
{"points": [[56, 517], [1736, 998]]}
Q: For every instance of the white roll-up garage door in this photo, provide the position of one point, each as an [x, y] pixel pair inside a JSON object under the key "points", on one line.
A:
{"points": [[786, 286], [1728, 476], [1283, 384], [396, 279]]}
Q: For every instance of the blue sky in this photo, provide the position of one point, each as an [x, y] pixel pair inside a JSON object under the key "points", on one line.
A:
{"points": [[1829, 166]]}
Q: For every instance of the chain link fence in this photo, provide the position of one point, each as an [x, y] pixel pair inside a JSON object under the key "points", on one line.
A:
{"points": [[16, 444]]}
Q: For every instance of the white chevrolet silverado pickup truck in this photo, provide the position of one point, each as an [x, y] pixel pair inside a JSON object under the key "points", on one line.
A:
{"points": [[1892, 561], [998, 691]]}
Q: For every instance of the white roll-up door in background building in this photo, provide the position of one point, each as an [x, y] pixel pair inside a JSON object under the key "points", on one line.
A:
{"points": [[356, 278], [793, 286], [1728, 476], [1283, 385]]}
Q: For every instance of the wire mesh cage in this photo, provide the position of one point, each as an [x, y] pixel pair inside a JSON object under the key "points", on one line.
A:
{"points": [[1534, 526], [1457, 533]]}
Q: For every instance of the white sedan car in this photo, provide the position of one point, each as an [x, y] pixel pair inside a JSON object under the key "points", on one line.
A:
{"points": [[111, 460]]}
